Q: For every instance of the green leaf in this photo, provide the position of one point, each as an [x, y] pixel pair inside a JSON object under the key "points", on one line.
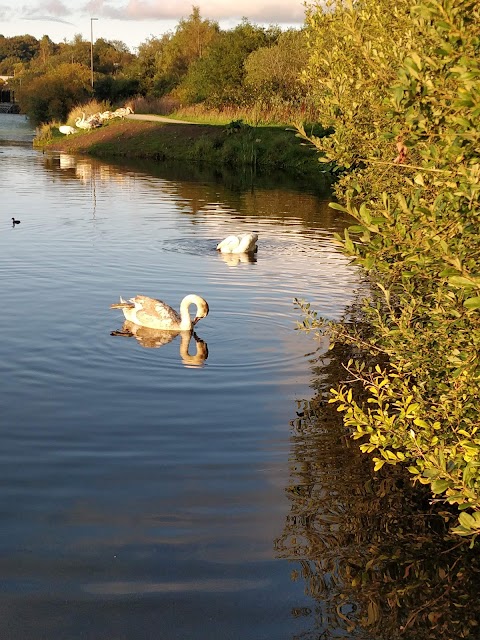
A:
{"points": [[461, 281], [419, 180], [356, 228], [468, 521], [439, 486], [397, 95], [338, 207], [420, 423], [472, 303]]}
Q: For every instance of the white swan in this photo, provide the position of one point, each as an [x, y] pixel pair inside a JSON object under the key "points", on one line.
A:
{"points": [[106, 115], [155, 314], [81, 123], [64, 128], [122, 112], [243, 243]]}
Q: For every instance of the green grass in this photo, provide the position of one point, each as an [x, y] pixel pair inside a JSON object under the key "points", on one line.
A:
{"points": [[236, 145]]}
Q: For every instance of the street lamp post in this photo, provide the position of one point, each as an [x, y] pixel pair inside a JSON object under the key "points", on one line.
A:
{"points": [[91, 48]]}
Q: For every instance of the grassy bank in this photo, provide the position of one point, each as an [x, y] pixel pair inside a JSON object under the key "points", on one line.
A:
{"points": [[238, 145]]}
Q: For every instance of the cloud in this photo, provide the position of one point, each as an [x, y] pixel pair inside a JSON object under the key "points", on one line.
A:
{"points": [[51, 8], [49, 19], [268, 11], [140, 11]]}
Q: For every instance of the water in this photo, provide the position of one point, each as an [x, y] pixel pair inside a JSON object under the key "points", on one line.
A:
{"points": [[151, 488], [143, 488]]}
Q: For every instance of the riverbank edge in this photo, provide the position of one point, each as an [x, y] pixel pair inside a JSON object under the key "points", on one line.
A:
{"points": [[262, 148]]}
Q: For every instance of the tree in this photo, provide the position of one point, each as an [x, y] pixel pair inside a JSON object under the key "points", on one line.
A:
{"points": [[52, 95], [188, 44], [116, 88], [356, 49], [277, 69], [7, 66], [78, 50], [24, 48], [218, 77], [16, 50], [145, 67], [417, 234], [47, 48], [110, 57]]}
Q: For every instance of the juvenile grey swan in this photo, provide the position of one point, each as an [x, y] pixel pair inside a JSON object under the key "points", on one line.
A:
{"points": [[243, 243], [156, 314]]}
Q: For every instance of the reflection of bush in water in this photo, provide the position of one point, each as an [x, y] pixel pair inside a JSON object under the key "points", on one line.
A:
{"points": [[372, 551]]}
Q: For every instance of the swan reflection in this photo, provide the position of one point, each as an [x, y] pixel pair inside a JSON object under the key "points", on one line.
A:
{"points": [[234, 259], [67, 161], [155, 338]]}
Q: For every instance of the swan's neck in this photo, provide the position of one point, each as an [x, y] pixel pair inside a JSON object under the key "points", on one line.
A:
{"points": [[185, 320]]}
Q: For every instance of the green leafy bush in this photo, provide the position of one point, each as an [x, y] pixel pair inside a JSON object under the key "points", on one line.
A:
{"points": [[52, 95], [418, 238]]}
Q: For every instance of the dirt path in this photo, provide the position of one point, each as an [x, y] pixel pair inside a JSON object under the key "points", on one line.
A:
{"points": [[148, 116]]}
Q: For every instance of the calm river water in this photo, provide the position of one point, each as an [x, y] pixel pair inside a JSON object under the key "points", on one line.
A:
{"points": [[144, 490]]}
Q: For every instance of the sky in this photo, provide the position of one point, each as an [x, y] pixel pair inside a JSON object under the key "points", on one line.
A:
{"points": [[134, 21]]}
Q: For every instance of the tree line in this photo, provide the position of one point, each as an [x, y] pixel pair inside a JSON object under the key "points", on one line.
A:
{"points": [[195, 63]]}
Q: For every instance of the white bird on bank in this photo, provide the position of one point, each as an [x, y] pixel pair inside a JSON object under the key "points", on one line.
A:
{"points": [[243, 243], [122, 112], [81, 123], [155, 314], [67, 130], [105, 115]]}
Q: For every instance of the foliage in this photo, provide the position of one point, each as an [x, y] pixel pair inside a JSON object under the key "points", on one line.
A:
{"points": [[78, 50], [16, 52], [189, 43], [421, 244], [161, 106], [110, 57], [276, 69], [115, 88], [163, 62], [145, 66], [195, 63], [87, 109], [355, 51], [52, 95], [218, 77], [46, 50], [21, 48], [374, 555], [46, 132]]}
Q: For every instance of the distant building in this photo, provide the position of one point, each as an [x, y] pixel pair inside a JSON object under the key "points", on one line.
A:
{"points": [[7, 96]]}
